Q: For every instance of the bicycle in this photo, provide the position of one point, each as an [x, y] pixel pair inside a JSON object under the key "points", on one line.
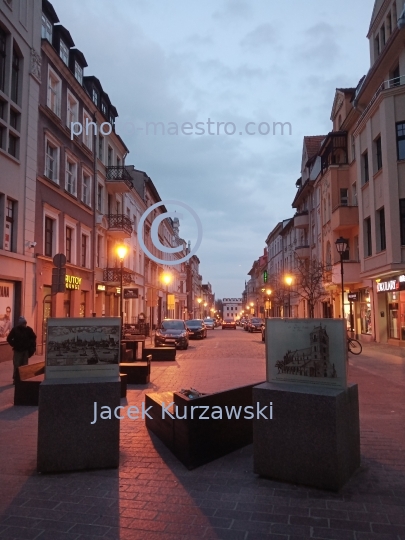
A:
{"points": [[354, 346]]}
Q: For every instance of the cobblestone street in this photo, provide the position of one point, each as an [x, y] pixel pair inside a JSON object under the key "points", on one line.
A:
{"points": [[153, 496]]}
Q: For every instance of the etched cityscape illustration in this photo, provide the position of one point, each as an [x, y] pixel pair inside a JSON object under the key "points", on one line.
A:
{"points": [[82, 345], [312, 361]]}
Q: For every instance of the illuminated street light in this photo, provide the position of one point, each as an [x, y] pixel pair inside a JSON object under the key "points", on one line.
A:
{"points": [[289, 280], [166, 278], [122, 250]]}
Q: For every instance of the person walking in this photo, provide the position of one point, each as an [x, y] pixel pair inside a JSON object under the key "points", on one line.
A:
{"points": [[23, 340]]}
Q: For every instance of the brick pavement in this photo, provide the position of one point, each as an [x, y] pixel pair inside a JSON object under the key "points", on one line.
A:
{"points": [[152, 496]]}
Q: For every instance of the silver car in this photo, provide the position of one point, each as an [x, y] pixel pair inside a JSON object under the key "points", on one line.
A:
{"points": [[209, 323]]}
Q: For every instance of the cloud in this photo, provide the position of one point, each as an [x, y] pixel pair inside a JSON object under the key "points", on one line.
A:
{"points": [[233, 9], [261, 36]]}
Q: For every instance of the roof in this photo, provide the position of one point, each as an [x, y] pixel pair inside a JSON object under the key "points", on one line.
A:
{"points": [[65, 35], [312, 144], [376, 9]]}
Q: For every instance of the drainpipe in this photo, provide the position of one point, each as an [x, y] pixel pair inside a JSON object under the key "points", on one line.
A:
{"points": [[95, 188]]}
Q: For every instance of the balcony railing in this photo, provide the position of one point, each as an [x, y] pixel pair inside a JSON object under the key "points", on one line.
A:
{"points": [[386, 85], [113, 275], [119, 174], [120, 222]]}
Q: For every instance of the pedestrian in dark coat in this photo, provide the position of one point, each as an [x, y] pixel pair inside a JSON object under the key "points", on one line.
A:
{"points": [[23, 340]]}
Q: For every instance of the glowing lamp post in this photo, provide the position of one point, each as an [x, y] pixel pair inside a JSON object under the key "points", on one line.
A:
{"points": [[341, 246], [166, 278], [122, 250], [199, 300], [289, 280]]}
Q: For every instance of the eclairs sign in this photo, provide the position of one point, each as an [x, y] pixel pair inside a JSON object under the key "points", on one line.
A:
{"points": [[391, 285]]}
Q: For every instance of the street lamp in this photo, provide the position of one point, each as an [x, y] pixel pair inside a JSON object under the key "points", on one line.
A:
{"points": [[251, 307], [341, 246], [199, 300], [122, 250], [166, 278], [268, 292], [289, 280], [205, 309]]}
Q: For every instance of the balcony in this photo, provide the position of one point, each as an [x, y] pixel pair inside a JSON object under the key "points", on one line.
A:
{"points": [[301, 220], [303, 252], [113, 276], [118, 180], [351, 272], [119, 226], [344, 217]]}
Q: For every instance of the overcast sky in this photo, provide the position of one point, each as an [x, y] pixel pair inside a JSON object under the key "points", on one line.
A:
{"points": [[231, 61]]}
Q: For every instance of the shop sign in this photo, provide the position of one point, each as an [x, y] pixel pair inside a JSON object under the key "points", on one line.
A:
{"points": [[100, 287], [353, 296], [73, 282], [387, 286], [130, 292]]}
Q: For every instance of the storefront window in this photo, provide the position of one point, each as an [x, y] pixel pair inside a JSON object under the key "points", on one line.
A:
{"points": [[393, 315], [67, 302], [83, 304], [402, 301], [365, 312]]}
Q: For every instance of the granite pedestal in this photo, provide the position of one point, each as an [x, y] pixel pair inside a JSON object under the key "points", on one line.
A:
{"points": [[67, 439], [313, 438]]}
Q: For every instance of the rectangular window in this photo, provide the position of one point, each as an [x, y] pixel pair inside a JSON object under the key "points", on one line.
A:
{"points": [[9, 225], [382, 35], [15, 77], [100, 147], [51, 161], [354, 194], [84, 250], [54, 90], [88, 127], [78, 73], [46, 30], [95, 97], [118, 162], [71, 176], [86, 188], [368, 251], [356, 249], [69, 234], [378, 154], [72, 110], [381, 229], [344, 196], [15, 118], [13, 143], [402, 220], [3, 40], [2, 137], [98, 252], [49, 232], [377, 46], [395, 77], [109, 157], [401, 140], [100, 198], [64, 52], [366, 176]]}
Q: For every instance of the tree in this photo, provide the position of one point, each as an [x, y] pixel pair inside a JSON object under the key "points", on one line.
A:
{"points": [[310, 277]]}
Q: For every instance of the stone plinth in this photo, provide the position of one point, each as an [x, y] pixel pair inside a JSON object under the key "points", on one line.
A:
{"points": [[313, 438], [67, 439]]}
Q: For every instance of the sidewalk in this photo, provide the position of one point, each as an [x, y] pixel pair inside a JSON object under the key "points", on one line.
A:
{"points": [[152, 496]]}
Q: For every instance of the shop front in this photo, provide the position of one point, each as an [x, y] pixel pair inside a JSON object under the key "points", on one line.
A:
{"points": [[391, 309]]}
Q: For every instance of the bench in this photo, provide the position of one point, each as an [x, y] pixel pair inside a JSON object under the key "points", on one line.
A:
{"points": [[28, 379], [160, 353], [137, 372], [196, 441]]}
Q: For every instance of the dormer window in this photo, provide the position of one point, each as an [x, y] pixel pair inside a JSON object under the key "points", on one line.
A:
{"points": [[112, 120], [104, 108], [46, 31], [95, 97], [64, 52], [79, 73]]}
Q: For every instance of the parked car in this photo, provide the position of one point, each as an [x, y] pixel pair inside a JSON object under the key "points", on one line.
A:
{"points": [[196, 329], [228, 323], [255, 324], [209, 323], [172, 332]]}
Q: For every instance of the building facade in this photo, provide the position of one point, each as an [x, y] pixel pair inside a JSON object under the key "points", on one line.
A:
{"points": [[20, 79]]}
